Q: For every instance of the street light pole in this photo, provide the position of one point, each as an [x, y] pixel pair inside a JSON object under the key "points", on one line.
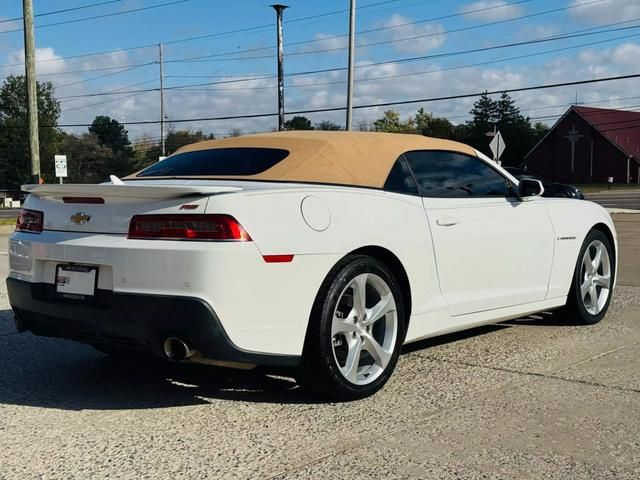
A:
{"points": [[32, 90], [279, 13], [352, 45]]}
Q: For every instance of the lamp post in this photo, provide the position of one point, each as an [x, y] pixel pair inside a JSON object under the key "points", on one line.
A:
{"points": [[279, 13]]}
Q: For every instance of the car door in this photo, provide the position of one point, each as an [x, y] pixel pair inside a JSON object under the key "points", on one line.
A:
{"points": [[492, 250]]}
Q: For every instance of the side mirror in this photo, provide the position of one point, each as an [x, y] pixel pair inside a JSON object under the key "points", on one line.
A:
{"points": [[528, 189]]}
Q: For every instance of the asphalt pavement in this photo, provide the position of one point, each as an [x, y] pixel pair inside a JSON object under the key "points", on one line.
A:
{"points": [[624, 199], [532, 398]]}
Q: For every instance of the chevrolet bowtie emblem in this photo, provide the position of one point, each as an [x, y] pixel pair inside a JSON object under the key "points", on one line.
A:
{"points": [[80, 218]]}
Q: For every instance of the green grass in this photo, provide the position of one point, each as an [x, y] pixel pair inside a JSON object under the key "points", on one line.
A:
{"points": [[7, 221], [603, 187]]}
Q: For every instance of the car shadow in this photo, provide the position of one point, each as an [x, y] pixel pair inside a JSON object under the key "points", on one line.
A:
{"points": [[60, 374]]}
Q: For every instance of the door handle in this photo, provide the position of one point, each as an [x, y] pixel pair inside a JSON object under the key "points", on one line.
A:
{"points": [[447, 221]]}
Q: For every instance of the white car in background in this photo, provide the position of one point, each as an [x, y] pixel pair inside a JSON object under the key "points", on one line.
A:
{"points": [[324, 251]]}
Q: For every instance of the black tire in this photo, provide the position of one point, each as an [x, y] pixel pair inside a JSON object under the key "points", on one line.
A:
{"points": [[319, 370], [575, 310]]}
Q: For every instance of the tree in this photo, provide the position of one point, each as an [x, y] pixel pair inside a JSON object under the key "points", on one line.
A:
{"points": [[390, 122], [298, 123], [111, 133], [88, 159], [235, 132], [328, 125], [518, 133], [363, 126], [430, 126], [177, 139], [15, 163], [146, 150]]}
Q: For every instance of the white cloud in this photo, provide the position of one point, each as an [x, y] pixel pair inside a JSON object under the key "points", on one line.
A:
{"points": [[50, 62], [323, 41], [491, 10], [605, 11], [238, 99], [6, 26], [407, 38]]}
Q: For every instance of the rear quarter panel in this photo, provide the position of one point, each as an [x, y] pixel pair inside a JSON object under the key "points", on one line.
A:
{"points": [[358, 218]]}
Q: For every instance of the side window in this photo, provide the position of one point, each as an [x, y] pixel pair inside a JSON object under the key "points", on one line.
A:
{"points": [[400, 179], [454, 175]]}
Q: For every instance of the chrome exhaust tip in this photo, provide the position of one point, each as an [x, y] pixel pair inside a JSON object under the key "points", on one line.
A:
{"points": [[177, 350]]}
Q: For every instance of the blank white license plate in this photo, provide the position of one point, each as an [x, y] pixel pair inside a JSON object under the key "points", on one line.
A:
{"points": [[77, 280]]}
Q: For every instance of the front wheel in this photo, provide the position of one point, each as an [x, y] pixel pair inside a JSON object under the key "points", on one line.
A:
{"points": [[593, 277], [356, 330]]}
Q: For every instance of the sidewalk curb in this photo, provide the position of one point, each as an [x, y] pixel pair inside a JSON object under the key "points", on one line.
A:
{"points": [[622, 210]]}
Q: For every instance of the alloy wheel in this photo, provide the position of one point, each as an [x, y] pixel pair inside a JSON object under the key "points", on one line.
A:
{"points": [[595, 277], [364, 329]]}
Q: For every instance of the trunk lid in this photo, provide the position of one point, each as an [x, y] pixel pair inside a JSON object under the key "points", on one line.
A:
{"points": [[72, 208]]}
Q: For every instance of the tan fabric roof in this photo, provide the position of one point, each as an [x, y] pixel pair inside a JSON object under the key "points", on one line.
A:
{"points": [[346, 158]]}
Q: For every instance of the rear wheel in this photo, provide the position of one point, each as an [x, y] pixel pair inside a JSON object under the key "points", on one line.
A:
{"points": [[592, 284], [356, 330]]}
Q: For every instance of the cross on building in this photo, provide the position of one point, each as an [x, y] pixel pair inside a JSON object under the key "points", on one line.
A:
{"points": [[573, 137]]}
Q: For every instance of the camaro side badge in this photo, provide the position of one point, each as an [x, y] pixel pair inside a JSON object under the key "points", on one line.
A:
{"points": [[80, 218], [566, 238]]}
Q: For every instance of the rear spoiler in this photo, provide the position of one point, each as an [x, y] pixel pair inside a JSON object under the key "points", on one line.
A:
{"points": [[152, 192]]}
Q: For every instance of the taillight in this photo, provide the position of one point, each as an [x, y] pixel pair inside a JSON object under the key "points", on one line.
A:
{"points": [[187, 227], [30, 221]]}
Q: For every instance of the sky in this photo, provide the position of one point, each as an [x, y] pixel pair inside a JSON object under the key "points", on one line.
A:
{"points": [[220, 57]]}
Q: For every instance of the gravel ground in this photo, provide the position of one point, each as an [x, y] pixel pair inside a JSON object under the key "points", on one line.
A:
{"points": [[532, 398]]}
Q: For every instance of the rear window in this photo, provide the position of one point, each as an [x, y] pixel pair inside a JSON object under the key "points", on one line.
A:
{"points": [[217, 161]]}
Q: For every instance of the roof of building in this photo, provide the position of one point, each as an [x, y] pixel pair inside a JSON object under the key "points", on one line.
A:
{"points": [[344, 158], [620, 127]]}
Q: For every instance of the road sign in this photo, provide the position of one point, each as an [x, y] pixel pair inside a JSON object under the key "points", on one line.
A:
{"points": [[61, 166], [497, 146]]}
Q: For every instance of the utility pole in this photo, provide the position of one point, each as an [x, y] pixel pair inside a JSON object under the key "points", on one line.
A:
{"points": [[162, 141], [352, 46], [279, 13], [32, 90]]}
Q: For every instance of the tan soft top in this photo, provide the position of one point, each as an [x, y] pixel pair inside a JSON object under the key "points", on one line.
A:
{"points": [[345, 158]]}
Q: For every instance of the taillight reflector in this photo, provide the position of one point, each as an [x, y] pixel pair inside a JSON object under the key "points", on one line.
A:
{"points": [[187, 227], [278, 258], [30, 221]]}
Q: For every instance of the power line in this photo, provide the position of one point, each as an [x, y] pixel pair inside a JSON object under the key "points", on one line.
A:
{"points": [[106, 75], [64, 10], [195, 59], [246, 29], [154, 45], [117, 90], [388, 104], [108, 101], [424, 57], [396, 61], [84, 19]]}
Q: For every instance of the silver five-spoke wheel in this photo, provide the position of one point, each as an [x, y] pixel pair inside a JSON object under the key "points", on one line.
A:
{"points": [[595, 277], [364, 329]]}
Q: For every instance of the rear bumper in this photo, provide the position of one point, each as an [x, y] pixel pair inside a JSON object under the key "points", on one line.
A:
{"points": [[131, 320]]}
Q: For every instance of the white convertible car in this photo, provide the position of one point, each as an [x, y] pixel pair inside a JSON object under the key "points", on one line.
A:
{"points": [[321, 250]]}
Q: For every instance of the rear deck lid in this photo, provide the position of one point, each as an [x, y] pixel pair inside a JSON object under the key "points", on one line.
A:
{"points": [[108, 208]]}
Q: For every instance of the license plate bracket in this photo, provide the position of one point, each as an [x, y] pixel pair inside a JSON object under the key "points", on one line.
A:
{"points": [[76, 282]]}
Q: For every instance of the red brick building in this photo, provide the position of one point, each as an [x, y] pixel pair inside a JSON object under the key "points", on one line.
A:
{"points": [[589, 145]]}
